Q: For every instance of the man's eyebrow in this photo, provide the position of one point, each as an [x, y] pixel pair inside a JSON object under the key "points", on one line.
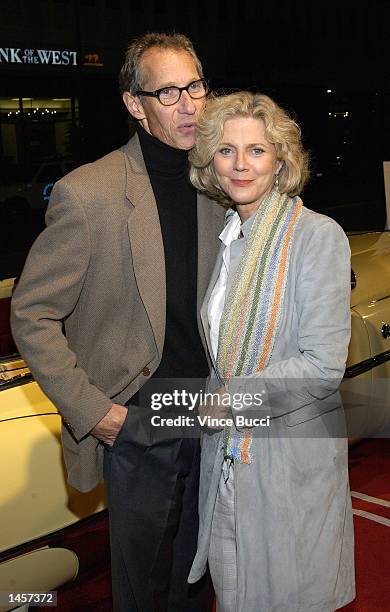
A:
{"points": [[172, 84]]}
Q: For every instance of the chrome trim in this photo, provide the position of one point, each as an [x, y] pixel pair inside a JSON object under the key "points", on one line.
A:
{"points": [[367, 365], [16, 381], [7, 365], [13, 371], [8, 376]]}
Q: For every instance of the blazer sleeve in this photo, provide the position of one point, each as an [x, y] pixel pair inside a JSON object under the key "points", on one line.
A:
{"points": [[45, 295], [322, 302]]}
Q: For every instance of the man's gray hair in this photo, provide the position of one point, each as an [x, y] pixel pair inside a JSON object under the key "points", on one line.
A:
{"points": [[131, 76]]}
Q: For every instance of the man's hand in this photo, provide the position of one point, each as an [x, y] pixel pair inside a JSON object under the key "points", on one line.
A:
{"points": [[217, 409], [108, 427]]}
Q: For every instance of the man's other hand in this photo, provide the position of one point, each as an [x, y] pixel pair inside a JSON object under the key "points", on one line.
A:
{"points": [[109, 426]]}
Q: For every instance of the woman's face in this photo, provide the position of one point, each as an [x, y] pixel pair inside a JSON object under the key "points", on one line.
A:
{"points": [[245, 163]]}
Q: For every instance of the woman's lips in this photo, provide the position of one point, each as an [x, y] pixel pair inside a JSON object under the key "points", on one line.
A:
{"points": [[241, 182]]}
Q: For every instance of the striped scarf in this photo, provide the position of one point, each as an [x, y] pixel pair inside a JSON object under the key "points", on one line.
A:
{"points": [[253, 308]]}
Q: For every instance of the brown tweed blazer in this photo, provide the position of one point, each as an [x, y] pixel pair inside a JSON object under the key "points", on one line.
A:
{"points": [[97, 273]]}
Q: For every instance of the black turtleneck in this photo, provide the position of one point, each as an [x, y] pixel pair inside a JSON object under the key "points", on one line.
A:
{"points": [[183, 354]]}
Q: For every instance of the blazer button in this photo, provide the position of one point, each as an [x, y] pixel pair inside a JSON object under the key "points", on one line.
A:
{"points": [[146, 372]]}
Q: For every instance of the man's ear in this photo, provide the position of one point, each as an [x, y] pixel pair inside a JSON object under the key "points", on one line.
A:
{"points": [[133, 105]]}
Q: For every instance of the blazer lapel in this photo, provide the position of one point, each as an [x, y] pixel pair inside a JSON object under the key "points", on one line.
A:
{"points": [[210, 224], [146, 240]]}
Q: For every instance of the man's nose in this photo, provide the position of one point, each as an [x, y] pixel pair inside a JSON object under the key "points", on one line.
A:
{"points": [[186, 103]]}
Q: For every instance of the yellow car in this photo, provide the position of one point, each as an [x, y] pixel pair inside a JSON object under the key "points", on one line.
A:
{"points": [[366, 387], [45, 523], [41, 516]]}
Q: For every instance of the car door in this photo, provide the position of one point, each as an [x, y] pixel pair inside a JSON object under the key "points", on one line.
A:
{"points": [[366, 389], [38, 510]]}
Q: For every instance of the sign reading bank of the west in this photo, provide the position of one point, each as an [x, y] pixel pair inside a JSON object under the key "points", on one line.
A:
{"points": [[13, 55]]}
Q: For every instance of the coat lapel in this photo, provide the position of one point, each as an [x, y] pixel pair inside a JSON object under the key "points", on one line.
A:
{"points": [[203, 310], [146, 240]]}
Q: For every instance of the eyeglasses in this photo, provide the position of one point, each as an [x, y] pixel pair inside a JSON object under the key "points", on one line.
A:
{"points": [[170, 95]]}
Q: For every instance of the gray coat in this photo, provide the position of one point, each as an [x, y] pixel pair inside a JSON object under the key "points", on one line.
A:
{"points": [[293, 510]]}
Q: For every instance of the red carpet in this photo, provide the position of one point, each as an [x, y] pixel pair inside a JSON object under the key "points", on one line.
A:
{"points": [[369, 475]]}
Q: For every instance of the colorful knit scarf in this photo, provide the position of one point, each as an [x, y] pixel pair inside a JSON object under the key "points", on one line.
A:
{"points": [[252, 312]]}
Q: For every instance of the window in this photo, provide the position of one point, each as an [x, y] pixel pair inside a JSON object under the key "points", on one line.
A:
{"points": [[37, 147]]}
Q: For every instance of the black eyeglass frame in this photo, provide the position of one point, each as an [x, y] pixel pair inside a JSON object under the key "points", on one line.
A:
{"points": [[157, 92]]}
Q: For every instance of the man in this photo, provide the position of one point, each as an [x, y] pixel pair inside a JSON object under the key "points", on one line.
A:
{"points": [[109, 298]]}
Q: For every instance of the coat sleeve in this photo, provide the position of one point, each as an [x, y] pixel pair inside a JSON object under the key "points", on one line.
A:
{"points": [[322, 302], [46, 294]]}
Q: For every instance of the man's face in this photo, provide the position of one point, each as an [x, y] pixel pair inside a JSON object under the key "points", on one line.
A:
{"points": [[175, 125]]}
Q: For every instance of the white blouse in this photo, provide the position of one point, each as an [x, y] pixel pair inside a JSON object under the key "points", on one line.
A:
{"points": [[231, 233]]}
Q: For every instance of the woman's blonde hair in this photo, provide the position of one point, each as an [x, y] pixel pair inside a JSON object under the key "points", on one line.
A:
{"points": [[280, 130]]}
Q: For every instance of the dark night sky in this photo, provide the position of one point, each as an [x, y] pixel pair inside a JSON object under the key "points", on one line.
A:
{"points": [[241, 42], [293, 50], [247, 41]]}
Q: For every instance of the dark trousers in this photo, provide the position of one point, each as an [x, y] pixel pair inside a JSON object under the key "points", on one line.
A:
{"points": [[152, 492]]}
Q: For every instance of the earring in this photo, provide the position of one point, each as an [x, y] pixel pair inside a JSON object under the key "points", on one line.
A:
{"points": [[276, 184]]}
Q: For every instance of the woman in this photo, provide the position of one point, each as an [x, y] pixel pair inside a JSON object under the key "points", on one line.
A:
{"points": [[275, 510]]}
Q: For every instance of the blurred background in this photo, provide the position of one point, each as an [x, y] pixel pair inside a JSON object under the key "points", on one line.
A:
{"points": [[327, 63]]}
